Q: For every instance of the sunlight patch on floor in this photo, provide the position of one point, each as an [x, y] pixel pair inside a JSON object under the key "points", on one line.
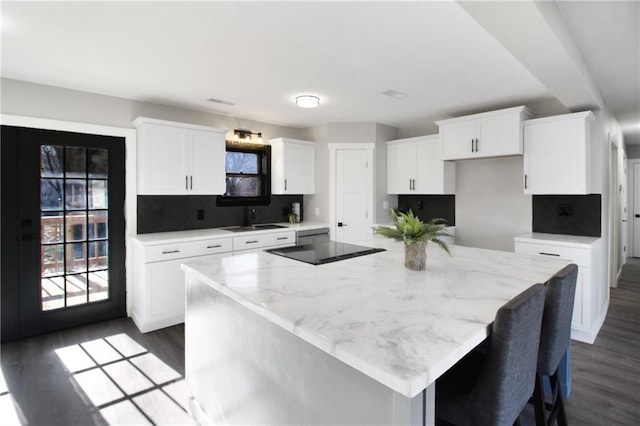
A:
{"points": [[126, 383], [10, 413]]}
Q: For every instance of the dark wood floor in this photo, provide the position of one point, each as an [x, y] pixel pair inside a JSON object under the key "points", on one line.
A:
{"points": [[109, 373]]}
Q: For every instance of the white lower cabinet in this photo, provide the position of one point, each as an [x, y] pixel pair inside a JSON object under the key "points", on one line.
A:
{"points": [[252, 242], [158, 281], [592, 295]]}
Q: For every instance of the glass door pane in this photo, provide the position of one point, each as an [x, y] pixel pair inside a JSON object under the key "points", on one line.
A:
{"points": [[73, 222]]}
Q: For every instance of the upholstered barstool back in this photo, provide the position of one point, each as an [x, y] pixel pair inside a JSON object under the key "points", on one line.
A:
{"points": [[493, 389], [555, 339], [556, 321]]}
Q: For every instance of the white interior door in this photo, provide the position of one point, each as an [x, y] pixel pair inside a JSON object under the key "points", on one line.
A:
{"points": [[353, 194], [636, 209]]}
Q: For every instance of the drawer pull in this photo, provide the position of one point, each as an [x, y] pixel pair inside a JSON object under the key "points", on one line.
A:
{"points": [[283, 238], [171, 251], [251, 242], [548, 254], [216, 246]]}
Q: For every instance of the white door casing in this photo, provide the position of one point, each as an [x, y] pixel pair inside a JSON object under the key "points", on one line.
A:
{"points": [[351, 191]]}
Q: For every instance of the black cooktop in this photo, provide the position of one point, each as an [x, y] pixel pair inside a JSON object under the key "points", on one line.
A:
{"points": [[321, 252]]}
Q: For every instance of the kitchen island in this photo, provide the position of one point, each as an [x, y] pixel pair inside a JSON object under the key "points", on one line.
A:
{"points": [[270, 340]]}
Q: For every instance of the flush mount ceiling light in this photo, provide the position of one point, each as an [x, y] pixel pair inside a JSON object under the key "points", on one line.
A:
{"points": [[307, 101]]}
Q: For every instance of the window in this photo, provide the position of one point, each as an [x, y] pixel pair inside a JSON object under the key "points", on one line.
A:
{"points": [[248, 175]]}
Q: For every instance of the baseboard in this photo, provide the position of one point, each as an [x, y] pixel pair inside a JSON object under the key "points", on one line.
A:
{"points": [[147, 326], [589, 336]]}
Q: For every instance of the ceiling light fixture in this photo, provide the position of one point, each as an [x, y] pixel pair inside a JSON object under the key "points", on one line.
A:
{"points": [[240, 135], [307, 101]]}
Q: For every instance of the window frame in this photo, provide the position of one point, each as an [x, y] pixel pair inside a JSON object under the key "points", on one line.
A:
{"points": [[264, 174]]}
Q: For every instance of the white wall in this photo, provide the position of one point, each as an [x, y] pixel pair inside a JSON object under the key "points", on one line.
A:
{"points": [[36, 100], [491, 207], [368, 132]]}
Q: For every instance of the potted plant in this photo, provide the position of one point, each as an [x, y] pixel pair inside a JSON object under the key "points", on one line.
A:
{"points": [[416, 235], [293, 218]]}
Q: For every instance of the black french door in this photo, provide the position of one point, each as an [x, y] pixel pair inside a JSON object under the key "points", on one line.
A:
{"points": [[63, 230]]}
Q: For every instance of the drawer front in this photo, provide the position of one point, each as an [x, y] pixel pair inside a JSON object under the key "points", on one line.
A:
{"points": [[182, 250], [264, 240], [579, 256], [166, 252], [214, 246]]}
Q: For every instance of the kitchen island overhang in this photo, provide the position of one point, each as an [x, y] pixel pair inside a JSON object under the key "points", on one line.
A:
{"points": [[399, 329]]}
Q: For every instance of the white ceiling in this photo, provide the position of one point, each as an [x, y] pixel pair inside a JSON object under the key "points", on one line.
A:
{"points": [[259, 56]]}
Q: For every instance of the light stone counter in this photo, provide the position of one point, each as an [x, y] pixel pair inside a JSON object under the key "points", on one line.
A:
{"points": [[208, 233], [401, 328]]}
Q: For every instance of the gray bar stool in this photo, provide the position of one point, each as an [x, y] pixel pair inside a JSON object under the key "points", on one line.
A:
{"points": [[555, 339], [493, 389]]}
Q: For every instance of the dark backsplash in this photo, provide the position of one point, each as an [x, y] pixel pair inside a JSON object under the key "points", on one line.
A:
{"points": [[567, 214], [163, 213], [426, 207]]}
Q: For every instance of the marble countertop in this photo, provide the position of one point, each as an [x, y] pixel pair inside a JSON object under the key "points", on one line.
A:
{"points": [[402, 328], [202, 234], [557, 239]]}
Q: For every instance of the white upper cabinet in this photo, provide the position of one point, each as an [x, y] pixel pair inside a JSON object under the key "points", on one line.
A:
{"points": [[489, 134], [414, 167], [293, 165], [557, 154], [179, 159]]}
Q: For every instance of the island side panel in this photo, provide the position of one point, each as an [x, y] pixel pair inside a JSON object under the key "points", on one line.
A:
{"points": [[243, 369]]}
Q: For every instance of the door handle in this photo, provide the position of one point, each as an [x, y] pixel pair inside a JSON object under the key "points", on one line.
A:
{"points": [[638, 215], [472, 145], [340, 224]]}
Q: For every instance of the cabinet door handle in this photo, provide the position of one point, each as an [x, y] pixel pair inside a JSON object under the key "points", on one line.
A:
{"points": [[251, 242], [190, 182], [525, 181], [170, 251], [410, 185], [186, 182], [548, 254], [472, 149], [215, 246], [285, 184], [283, 238], [477, 144]]}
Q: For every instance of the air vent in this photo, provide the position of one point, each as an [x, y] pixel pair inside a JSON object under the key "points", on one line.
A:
{"points": [[395, 94]]}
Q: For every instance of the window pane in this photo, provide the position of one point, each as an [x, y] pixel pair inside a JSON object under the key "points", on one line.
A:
{"points": [[248, 186], [75, 162], [52, 260], [52, 227], [76, 194], [51, 161], [76, 226], [76, 289], [76, 257], [98, 163], [51, 194], [98, 285], [98, 194], [241, 162], [52, 293], [97, 224], [98, 255]]}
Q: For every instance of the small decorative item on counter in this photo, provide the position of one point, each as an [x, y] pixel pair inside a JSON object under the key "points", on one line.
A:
{"points": [[293, 218], [416, 235]]}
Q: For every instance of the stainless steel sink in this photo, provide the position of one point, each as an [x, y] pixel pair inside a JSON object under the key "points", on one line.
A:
{"points": [[253, 227]]}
